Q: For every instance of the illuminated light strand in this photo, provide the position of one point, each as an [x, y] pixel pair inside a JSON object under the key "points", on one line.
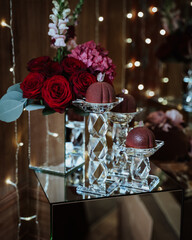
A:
{"points": [[96, 24], [123, 59]]}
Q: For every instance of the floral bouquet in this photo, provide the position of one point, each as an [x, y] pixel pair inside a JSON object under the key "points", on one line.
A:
{"points": [[52, 84]]}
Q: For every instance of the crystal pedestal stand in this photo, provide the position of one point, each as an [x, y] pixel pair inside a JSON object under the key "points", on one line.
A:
{"points": [[97, 149], [119, 165], [140, 179]]}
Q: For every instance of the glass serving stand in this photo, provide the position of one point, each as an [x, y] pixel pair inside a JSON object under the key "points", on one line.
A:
{"points": [[97, 171], [138, 160], [120, 130]]}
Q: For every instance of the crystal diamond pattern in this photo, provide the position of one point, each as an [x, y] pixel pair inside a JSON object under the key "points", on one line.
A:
{"points": [[97, 124]]}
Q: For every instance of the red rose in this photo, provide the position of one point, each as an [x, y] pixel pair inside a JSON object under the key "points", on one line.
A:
{"points": [[71, 65], [57, 93], [53, 68], [38, 64], [81, 80], [32, 85]]}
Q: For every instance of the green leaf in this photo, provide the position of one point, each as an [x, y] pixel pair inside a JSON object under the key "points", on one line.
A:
{"points": [[14, 95], [15, 87], [10, 110]]}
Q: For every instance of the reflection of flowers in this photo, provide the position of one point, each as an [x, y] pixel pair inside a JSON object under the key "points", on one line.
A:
{"points": [[95, 58], [165, 120]]}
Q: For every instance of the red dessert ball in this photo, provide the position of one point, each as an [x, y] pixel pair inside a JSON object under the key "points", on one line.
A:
{"points": [[128, 105], [140, 137], [100, 92]]}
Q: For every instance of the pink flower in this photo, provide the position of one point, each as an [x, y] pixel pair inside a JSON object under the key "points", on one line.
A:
{"points": [[95, 58], [175, 117]]}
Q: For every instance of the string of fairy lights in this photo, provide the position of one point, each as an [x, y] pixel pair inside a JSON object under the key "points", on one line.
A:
{"points": [[17, 143], [134, 63]]}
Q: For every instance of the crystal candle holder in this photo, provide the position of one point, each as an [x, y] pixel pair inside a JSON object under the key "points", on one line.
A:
{"points": [[119, 133], [138, 160], [121, 124], [97, 125]]}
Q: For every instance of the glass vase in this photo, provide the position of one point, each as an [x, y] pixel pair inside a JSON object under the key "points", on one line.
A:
{"points": [[47, 144]]}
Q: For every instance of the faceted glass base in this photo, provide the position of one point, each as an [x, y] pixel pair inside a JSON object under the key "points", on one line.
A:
{"points": [[103, 190], [146, 185]]}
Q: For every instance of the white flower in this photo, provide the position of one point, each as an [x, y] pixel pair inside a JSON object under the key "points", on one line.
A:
{"points": [[56, 5], [59, 40], [62, 26], [66, 12], [55, 12], [52, 29], [53, 18]]}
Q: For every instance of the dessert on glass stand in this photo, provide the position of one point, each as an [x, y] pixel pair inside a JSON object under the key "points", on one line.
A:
{"points": [[140, 145], [99, 98], [120, 117]]}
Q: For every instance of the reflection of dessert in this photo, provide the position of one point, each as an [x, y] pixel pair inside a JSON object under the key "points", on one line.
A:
{"points": [[168, 126], [100, 92], [140, 137], [128, 104]]}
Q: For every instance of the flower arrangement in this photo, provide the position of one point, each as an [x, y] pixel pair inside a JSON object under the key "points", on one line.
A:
{"points": [[165, 120], [177, 45], [52, 84]]}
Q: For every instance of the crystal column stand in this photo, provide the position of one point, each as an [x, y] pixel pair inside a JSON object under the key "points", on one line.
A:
{"points": [[97, 183], [140, 179], [119, 166]]}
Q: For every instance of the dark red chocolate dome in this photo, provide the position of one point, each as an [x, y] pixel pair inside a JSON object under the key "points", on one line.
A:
{"points": [[100, 92], [140, 137], [128, 105]]}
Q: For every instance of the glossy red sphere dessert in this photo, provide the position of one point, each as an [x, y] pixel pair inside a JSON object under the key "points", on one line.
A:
{"points": [[140, 137], [100, 92], [128, 105]]}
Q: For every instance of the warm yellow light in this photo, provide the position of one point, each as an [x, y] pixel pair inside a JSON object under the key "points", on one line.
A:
{"points": [[162, 32], [4, 24], [137, 64], [8, 181], [101, 19], [165, 80], [140, 14], [21, 144], [129, 15], [160, 99], [129, 65], [164, 102], [150, 93], [191, 3], [129, 40], [125, 91], [154, 9], [140, 87], [147, 40]]}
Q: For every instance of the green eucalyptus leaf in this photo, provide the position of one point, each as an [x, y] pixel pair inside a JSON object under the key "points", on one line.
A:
{"points": [[15, 87], [10, 110]]}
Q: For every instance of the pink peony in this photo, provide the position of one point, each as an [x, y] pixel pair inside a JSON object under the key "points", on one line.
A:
{"points": [[95, 58]]}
